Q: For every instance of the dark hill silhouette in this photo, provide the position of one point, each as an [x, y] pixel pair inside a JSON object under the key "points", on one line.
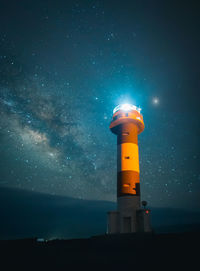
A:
{"points": [[25, 214]]}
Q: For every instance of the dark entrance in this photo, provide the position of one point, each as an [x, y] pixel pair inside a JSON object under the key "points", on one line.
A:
{"points": [[127, 224]]}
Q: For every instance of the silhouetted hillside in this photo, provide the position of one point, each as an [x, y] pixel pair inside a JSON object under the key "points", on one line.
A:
{"points": [[28, 214], [25, 214]]}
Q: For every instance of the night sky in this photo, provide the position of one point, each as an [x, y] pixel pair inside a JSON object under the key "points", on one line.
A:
{"points": [[64, 66]]}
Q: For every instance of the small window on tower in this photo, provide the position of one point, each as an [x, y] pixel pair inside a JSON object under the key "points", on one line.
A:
{"points": [[125, 133], [127, 157], [126, 184]]}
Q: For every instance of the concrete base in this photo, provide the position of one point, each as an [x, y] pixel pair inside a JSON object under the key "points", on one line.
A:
{"points": [[129, 217]]}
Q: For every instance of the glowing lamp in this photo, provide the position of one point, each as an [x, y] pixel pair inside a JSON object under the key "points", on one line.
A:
{"points": [[126, 108]]}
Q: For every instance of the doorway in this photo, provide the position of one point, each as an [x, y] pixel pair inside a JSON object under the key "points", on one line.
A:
{"points": [[126, 224]]}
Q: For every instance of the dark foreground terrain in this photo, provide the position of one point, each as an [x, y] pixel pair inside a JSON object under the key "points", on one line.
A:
{"points": [[103, 252]]}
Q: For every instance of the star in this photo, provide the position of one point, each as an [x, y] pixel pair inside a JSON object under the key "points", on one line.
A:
{"points": [[155, 101]]}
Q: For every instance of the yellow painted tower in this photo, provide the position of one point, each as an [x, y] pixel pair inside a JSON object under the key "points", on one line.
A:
{"points": [[127, 123]]}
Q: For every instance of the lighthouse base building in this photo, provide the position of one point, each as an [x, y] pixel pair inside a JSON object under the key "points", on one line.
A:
{"points": [[129, 217]]}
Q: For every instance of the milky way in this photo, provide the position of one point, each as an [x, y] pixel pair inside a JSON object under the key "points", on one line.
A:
{"points": [[64, 67]]}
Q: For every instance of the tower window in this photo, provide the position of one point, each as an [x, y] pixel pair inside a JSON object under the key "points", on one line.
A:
{"points": [[126, 185], [125, 133], [127, 157]]}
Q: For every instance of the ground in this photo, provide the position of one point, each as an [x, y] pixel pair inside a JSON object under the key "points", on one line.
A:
{"points": [[103, 252]]}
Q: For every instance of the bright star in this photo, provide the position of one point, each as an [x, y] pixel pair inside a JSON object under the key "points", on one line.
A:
{"points": [[155, 101]]}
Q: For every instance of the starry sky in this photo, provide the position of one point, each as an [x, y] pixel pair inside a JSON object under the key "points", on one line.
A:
{"points": [[64, 66]]}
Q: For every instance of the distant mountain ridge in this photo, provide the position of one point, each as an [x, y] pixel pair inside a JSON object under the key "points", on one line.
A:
{"points": [[25, 214]]}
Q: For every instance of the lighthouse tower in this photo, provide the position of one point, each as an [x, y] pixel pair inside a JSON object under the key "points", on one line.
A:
{"points": [[127, 123]]}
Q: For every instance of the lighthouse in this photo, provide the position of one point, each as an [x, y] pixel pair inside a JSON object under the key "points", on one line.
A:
{"points": [[127, 123]]}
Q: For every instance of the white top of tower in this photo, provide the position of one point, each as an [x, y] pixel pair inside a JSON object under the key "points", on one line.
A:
{"points": [[126, 108]]}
